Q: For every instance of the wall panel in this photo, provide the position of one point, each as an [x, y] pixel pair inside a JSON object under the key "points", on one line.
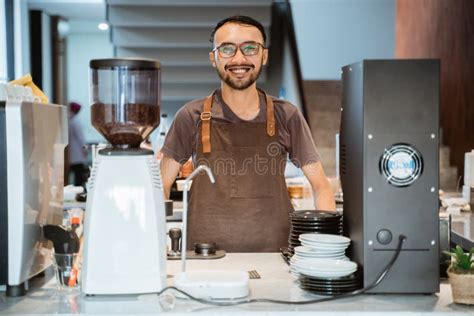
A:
{"points": [[444, 29]]}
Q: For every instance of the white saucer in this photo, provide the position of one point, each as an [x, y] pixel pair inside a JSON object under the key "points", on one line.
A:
{"points": [[325, 239], [303, 250], [323, 247], [324, 264], [334, 257]]}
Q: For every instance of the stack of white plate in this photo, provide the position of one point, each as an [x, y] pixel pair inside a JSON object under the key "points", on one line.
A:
{"points": [[322, 267], [322, 255]]}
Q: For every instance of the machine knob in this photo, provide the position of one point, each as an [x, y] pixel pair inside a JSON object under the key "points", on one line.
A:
{"points": [[175, 235], [384, 236]]}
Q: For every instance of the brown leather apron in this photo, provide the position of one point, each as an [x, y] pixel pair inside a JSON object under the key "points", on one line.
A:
{"points": [[247, 208]]}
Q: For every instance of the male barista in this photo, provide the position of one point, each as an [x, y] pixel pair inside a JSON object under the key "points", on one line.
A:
{"points": [[244, 136]]}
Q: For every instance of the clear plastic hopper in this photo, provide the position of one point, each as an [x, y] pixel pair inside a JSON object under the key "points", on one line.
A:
{"points": [[125, 99]]}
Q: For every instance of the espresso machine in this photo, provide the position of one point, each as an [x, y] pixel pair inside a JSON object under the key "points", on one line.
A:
{"points": [[33, 136], [124, 248]]}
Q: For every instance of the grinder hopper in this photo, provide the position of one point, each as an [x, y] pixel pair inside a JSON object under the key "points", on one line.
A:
{"points": [[125, 99]]}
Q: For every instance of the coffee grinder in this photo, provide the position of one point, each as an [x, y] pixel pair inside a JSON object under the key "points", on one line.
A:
{"points": [[125, 224]]}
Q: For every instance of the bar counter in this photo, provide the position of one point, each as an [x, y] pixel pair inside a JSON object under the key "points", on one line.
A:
{"points": [[276, 283]]}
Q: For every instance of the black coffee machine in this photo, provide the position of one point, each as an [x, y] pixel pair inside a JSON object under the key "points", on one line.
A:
{"points": [[389, 171]]}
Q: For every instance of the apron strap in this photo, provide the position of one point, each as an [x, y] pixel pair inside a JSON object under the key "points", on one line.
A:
{"points": [[270, 116], [206, 125], [206, 121]]}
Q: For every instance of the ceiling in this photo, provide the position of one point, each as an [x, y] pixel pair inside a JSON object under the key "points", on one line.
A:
{"points": [[86, 10]]}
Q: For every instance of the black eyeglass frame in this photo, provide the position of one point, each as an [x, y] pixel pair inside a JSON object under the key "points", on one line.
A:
{"points": [[240, 48]]}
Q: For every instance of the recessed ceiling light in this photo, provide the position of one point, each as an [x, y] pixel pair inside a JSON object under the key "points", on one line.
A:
{"points": [[103, 26], [63, 28]]}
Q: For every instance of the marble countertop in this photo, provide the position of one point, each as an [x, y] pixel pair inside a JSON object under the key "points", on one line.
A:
{"points": [[275, 283]]}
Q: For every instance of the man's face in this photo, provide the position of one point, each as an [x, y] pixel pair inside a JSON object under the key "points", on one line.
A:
{"points": [[238, 72]]}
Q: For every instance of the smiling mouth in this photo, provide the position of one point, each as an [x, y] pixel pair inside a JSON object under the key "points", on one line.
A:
{"points": [[239, 70]]}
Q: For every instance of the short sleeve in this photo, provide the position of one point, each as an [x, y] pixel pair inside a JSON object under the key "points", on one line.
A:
{"points": [[179, 139], [302, 150]]}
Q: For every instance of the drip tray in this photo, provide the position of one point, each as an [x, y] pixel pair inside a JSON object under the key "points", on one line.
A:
{"points": [[191, 255]]}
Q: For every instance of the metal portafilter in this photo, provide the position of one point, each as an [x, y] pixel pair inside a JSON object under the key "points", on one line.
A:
{"points": [[175, 235]]}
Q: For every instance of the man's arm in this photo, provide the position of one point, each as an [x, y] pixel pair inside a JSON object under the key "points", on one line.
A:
{"points": [[322, 191], [169, 169]]}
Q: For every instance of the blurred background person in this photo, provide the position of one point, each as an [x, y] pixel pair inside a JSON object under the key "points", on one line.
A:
{"points": [[77, 151]]}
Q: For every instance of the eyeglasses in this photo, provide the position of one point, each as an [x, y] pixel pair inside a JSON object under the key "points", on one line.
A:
{"points": [[228, 50]]}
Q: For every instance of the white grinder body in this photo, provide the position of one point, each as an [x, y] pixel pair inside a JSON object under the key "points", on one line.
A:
{"points": [[125, 227]]}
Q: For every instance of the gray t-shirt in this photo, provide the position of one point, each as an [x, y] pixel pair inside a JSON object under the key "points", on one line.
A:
{"points": [[293, 131]]}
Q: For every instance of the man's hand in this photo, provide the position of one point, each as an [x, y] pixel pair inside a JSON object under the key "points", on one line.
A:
{"points": [[322, 191], [169, 169]]}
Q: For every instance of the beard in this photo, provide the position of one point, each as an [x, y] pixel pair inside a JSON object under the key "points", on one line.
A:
{"points": [[239, 84]]}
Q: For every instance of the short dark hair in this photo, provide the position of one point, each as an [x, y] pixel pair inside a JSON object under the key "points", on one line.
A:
{"points": [[239, 19]]}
